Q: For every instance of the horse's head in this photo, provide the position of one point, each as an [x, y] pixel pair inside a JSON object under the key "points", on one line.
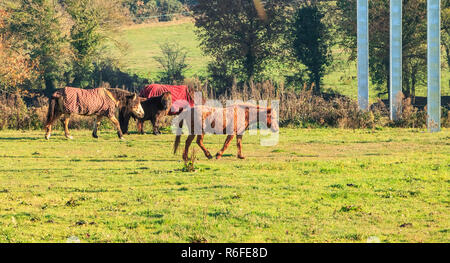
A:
{"points": [[272, 120], [166, 101], [133, 105]]}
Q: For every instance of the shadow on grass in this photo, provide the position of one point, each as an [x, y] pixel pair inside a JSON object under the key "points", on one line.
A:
{"points": [[20, 138]]}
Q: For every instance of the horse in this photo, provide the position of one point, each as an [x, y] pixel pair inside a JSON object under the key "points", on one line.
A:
{"points": [[181, 99], [101, 102], [154, 109], [202, 119]]}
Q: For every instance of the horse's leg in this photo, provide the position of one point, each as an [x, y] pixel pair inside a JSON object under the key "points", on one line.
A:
{"points": [[157, 122], [96, 124], [239, 146], [202, 146], [49, 124], [66, 126], [117, 124], [154, 121], [225, 146], [141, 123], [189, 140]]}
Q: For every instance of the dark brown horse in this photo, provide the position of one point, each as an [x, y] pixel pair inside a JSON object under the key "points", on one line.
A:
{"points": [[232, 121], [154, 108], [101, 102]]}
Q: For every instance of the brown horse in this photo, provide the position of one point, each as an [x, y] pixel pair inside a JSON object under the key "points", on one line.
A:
{"points": [[154, 109], [101, 102], [232, 120]]}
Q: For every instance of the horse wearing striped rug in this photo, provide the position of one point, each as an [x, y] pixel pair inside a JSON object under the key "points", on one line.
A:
{"points": [[101, 102]]}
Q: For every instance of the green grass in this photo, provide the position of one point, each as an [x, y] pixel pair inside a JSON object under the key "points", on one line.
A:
{"points": [[143, 45], [319, 185]]}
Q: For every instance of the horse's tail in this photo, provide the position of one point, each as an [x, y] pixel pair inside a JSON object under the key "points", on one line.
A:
{"points": [[52, 108]]}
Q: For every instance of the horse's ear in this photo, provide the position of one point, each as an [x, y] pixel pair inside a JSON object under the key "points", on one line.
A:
{"points": [[135, 96], [269, 110]]}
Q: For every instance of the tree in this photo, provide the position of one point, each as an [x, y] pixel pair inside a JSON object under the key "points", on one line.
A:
{"points": [[446, 28], [143, 10], [15, 66], [35, 24], [173, 62], [234, 35], [311, 42], [92, 22], [167, 8], [414, 40]]}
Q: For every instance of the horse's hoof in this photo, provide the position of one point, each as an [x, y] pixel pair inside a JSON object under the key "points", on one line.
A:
{"points": [[69, 137], [47, 137], [241, 157], [218, 156], [122, 139], [209, 156], [95, 136]]}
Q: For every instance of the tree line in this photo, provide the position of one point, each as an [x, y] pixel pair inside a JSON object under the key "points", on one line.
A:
{"points": [[301, 35]]}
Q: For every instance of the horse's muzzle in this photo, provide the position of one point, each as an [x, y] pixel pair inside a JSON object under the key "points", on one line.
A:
{"points": [[139, 112]]}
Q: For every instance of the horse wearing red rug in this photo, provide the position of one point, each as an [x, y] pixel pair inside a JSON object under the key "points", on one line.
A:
{"points": [[181, 99]]}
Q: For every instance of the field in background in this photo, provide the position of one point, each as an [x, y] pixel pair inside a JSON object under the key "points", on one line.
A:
{"points": [[320, 185], [143, 45]]}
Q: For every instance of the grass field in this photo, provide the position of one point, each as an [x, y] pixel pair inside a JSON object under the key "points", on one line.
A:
{"points": [[143, 45], [319, 185]]}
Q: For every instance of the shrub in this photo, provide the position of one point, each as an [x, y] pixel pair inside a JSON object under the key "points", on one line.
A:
{"points": [[173, 63]]}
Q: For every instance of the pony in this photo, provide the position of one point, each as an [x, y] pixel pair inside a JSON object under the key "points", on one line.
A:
{"points": [[232, 120], [101, 102], [155, 108], [180, 99]]}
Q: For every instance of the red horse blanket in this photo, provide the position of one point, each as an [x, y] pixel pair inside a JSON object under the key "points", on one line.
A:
{"points": [[180, 96], [86, 101]]}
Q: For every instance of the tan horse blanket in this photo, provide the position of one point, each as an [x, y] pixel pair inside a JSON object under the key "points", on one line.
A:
{"points": [[87, 101]]}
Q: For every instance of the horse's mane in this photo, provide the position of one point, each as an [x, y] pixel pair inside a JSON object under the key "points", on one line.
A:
{"points": [[119, 94]]}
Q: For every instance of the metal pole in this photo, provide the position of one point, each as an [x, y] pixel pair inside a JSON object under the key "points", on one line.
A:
{"points": [[363, 53], [396, 59], [434, 65]]}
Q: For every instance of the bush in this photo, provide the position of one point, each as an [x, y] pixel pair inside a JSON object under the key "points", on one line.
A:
{"points": [[14, 113], [147, 10], [304, 109]]}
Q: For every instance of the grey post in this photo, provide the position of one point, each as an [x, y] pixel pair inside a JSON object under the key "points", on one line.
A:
{"points": [[363, 53], [434, 65], [396, 59]]}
